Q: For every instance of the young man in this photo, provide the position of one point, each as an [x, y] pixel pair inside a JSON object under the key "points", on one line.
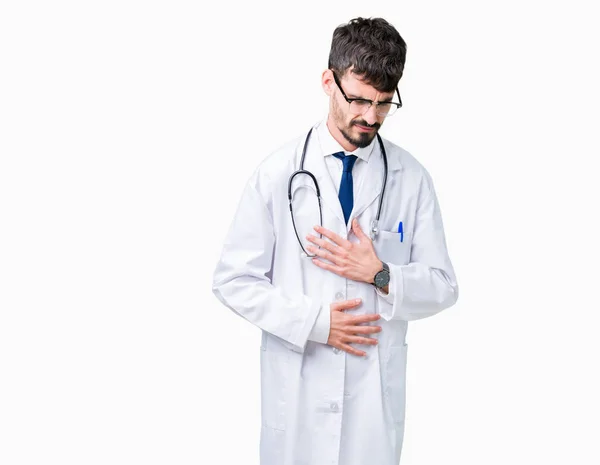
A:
{"points": [[334, 302]]}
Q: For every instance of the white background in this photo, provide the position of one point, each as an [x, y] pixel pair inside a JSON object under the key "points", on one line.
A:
{"points": [[127, 131]]}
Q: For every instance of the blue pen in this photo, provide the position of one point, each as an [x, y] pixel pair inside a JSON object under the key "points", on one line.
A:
{"points": [[401, 231]]}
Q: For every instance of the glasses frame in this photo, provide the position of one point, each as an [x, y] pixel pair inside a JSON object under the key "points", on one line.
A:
{"points": [[371, 102]]}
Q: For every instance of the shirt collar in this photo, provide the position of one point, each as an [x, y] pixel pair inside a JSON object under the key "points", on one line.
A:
{"points": [[330, 146]]}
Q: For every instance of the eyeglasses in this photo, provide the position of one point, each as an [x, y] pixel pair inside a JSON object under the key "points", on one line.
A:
{"points": [[359, 106]]}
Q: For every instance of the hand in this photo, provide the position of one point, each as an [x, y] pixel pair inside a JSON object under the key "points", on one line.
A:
{"points": [[356, 261], [344, 328]]}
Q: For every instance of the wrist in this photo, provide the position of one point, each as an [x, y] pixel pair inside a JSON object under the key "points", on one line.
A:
{"points": [[382, 277], [376, 268]]}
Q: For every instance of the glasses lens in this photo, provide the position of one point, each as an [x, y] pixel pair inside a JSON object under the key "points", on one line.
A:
{"points": [[386, 109], [359, 107]]}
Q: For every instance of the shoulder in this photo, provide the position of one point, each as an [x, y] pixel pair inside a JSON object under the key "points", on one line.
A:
{"points": [[416, 178], [407, 162], [275, 168], [281, 158]]}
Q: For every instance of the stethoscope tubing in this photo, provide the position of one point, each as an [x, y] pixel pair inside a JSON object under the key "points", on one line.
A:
{"points": [[375, 224]]}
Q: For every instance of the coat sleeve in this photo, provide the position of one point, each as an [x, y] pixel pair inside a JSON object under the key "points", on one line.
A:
{"points": [[427, 284], [242, 280]]}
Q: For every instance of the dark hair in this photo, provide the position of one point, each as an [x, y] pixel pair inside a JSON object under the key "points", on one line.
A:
{"points": [[374, 50]]}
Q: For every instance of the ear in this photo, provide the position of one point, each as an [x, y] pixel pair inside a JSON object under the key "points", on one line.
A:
{"points": [[327, 81]]}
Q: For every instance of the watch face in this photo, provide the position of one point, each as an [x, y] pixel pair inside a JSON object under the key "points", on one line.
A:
{"points": [[382, 278]]}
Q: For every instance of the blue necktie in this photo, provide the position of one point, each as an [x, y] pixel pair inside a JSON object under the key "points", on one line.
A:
{"points": [[346, 194]]}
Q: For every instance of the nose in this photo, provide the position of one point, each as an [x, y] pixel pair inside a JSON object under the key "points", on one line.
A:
{"points": [[371, 115]]}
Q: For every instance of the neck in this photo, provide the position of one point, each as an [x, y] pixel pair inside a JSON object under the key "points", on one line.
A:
{"points": [[338, 136]]}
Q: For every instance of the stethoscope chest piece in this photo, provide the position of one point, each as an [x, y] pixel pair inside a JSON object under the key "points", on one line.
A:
{"points": [[374, 229]]}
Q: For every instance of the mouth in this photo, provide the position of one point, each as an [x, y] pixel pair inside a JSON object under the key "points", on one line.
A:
{"points": [[365, 128]]}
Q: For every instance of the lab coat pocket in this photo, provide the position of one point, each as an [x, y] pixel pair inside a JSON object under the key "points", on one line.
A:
{"points": [[272, 445], [273, 369], [396, 382], [393, 247]]}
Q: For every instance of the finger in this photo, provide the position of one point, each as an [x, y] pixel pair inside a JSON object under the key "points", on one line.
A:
{"points": [[364, 329], [356, 319], [323, 254], [339, 240], [362, 340], [358, 232], [324, 244], [326, 266], [351, 350], [345, 304]]}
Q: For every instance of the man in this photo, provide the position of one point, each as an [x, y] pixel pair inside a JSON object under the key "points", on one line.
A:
{"points": [[333, 352]]}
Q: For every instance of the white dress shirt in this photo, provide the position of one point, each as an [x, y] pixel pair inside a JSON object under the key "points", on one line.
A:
{"points": [[335, 166]]}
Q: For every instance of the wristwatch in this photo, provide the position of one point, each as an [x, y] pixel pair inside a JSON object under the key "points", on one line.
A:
{"points": [[382, 278]]}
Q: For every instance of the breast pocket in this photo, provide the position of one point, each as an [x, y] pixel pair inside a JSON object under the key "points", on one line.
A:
{"points": [[393, 247]]}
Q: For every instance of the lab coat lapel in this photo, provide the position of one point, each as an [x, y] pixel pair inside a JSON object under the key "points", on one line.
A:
{"points": [[373, 181], [315, 163], [329, 193], [370, 187]]}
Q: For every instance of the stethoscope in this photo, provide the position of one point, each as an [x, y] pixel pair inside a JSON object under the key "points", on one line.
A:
{"points": [[374, 224]]}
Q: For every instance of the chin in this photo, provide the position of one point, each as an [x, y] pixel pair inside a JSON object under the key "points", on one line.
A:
{"points": [[362, 140], [358, 140]]}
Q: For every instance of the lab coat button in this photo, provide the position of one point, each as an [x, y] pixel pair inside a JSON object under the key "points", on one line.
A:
{"points": [[339, 296], [334, 407], [336, 350]]}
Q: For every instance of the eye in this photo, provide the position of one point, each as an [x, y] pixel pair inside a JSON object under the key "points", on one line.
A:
{"points": [[384, 106], [361, 103]]}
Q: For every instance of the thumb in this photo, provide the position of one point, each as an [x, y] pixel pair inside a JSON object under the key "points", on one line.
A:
{"points": [[358, 230]]}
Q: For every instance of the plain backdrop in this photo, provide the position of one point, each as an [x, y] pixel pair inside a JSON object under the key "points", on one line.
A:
{"points": [[127, 132]]}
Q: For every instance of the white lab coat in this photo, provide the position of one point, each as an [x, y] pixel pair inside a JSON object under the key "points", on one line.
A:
{"points": [[319, 405]]}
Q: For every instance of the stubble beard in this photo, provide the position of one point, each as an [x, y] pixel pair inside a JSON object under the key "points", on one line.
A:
{"points": [[364, 139]]}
